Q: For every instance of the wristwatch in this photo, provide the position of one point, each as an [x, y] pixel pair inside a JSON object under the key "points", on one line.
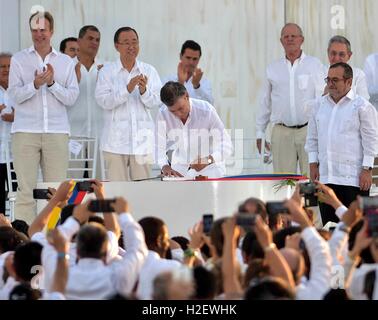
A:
{"points": [[367, 168]]}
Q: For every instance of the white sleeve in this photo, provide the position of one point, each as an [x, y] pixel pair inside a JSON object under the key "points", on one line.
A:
{"points": [[161, 140], [337, 243], [67, 93], [361, 86], [125, 272], [311, 145], [110, 95], [222, 144], [265, 110], [151, 98], [18, 90], [318, 250], [369, 133]]}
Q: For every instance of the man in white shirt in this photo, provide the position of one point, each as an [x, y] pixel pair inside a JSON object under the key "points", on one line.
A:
{"points": [[371, 72], [69, 46], [339, 50], [157, 241], [91, 278], [291, 82], [190, 75], [86, 116], [127, 89], [342, 140], [42, 83], [7, 117], [195, 133]]}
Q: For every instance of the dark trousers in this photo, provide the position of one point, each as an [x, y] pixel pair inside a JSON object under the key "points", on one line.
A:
{"points": [[346, 194], [3, 183]]}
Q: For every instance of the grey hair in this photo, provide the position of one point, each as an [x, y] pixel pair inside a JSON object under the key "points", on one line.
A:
{"points": [[340, 39], [292, 24], [5, 55]]}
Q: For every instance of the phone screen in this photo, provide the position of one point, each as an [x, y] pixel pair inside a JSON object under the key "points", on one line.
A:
{"points": [[207, 220]]}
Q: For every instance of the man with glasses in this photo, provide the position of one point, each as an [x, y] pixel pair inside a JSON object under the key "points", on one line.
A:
{"points": [[342, 140], [127, 89], [339, 50], [290, 83]]}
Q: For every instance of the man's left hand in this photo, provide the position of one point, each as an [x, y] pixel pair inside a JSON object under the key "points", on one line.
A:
{"points": [[366, 179], [197, 76], [142, 84], [201, 163]]}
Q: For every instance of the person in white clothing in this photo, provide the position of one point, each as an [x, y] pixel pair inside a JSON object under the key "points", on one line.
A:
{"points": [[371, 72], [42, 83], [339, 116], [69, 46], [127, 89], [290, 84], [7, 117], [339, 50], [86, 116], [190, 75], [91, 278], [157, 241], [195, 133]]}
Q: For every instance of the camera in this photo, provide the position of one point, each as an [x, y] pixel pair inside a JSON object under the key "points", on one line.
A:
{"points": [[207, 220], [41, 194], [245, 220], [84, 186], [369, 206], [276, 207], [103, 206], [308, 191]]}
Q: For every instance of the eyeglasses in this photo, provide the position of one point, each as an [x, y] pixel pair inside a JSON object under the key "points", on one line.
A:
{"points": [[128, 44], [334, 81], [341, 54]]}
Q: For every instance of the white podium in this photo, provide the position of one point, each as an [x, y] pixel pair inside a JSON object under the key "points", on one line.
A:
{"points": [[182, 203]]}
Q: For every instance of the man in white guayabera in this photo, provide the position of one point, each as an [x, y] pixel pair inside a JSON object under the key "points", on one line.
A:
{"points": [[192, 129]]}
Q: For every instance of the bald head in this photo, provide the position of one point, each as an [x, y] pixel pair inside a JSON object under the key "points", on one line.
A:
{"points": [[291, 24], [295, 261]]}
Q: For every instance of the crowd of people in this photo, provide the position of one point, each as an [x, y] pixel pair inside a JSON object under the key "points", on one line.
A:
{"points": [[255, 254]]}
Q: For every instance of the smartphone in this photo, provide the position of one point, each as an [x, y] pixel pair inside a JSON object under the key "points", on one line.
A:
{"points": [[276, 207], [207, 220], [101, 205], [84, 186], [369, 206], [41, 194], [245, 219]]}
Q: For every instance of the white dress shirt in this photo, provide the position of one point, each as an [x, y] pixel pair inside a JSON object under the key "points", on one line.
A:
{"points": [[371, 72], [5, 127], [48, 276], [86, 116], [128, 125], [356, 290], [342, 137], [319, 282], [152, 267], [204, 91], [42, 110], [287, 90], [91, 278], [204, 123]]}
